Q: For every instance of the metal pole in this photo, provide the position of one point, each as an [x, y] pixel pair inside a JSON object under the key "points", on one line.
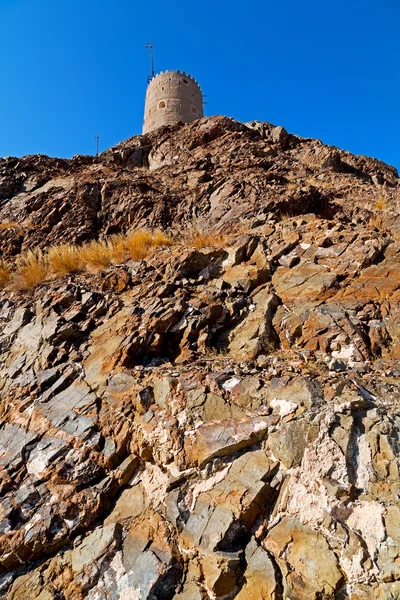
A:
{"points": [[150, 47], [96, 137]]}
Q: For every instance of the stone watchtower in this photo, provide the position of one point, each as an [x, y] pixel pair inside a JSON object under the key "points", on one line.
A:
{"points": [[172, 97]]}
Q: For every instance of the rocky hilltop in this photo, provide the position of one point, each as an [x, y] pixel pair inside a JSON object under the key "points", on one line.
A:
{"points": [[207, 423]]}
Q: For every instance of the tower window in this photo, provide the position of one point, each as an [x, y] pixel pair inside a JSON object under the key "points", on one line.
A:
{"points": [[162, 105], [194, 110], [163, 88], [185, 81], [193, 94]]}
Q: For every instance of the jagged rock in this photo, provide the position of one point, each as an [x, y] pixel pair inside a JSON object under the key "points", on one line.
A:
{"points": [[260, 575], [94, 549], [241, 251], [221, 572], [13, 444], [304, 282], [255, 335], [310, 567], [192, 263], [226, 437], [190, 591], [289, 442], [206, 422], [221, 514]]}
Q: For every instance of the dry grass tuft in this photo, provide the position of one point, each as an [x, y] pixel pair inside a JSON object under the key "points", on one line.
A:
{"points": [[139, 244], [64, 259], [160, 239], [5, 275], [96, 254], [35, 266], [202, 239], [376, 222], [32, 269], [284, 214], [381, 203], [9, 225], [118, 249]]}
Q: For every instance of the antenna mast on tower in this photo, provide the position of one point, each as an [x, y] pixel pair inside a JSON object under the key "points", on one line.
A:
{"points": [[150, 47]]}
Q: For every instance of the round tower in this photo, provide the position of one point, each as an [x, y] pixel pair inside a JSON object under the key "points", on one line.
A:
{"points": [[172, 97]]}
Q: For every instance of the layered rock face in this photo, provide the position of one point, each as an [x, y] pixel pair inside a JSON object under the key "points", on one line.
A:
{"points": [[207, 423]]}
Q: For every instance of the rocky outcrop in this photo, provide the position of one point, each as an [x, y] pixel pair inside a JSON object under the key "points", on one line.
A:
{"points": [[214, 173], [206, 423]]}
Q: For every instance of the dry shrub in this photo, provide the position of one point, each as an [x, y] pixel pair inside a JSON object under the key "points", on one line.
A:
{"points": [[64, 259], [381, 203], [202, 239], [376, 222], [139, 244], [5, 275], [284, 214], [160, 239], [32, 269], [9, 225], [119, 252], [96, 254], [34, 266]]}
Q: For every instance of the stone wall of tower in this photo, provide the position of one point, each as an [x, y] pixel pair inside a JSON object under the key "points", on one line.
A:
{"points": [[172, 97]]}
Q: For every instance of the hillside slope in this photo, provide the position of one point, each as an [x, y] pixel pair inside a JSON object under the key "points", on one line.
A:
{"points": [[216, 422]]}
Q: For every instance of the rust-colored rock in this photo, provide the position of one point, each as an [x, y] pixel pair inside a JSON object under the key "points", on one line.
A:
{"points": [[214, 422]]}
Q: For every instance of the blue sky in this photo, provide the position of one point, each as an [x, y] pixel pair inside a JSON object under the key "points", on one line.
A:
{"points": [[71, 69]]}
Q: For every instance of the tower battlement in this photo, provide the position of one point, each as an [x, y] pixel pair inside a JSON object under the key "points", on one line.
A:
{"points": [[171, 97]]}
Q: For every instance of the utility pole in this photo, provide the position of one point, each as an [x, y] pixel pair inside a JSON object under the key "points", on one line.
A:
{"points": [[96, 137], [150, 47]]}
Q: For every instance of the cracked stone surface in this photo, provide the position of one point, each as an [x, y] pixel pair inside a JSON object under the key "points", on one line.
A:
{"points": [[208, 423]]}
